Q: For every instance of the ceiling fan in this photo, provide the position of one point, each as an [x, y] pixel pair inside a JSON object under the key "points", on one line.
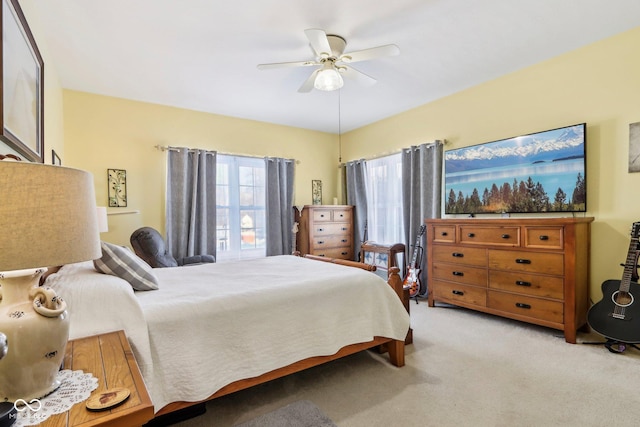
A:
{"points": [[333, 62]]}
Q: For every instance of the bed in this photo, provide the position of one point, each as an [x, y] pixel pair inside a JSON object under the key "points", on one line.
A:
{"points": [[212, 329]]}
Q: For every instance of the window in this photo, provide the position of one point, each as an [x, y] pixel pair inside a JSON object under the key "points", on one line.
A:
{"points": [[240, 207], [385, 223]]}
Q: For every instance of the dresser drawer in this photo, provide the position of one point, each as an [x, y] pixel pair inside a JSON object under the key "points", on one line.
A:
{"points": [[544, 237], [443, 233], [331, 241], [500, 236], [529, 284], [460, 274], [342, 253], [534, 262], [320, 215], [551, 311], [457, 293], [341, 215], [331, 228], [460, 255]]}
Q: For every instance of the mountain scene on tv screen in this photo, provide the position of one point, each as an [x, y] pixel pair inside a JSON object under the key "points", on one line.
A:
{"points": [[541, 172]]}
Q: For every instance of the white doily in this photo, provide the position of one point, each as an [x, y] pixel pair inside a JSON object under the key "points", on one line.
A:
{"points": [[76, 386]]}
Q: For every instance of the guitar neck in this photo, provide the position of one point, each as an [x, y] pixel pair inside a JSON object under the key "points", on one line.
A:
{"points": [[629, 265]]}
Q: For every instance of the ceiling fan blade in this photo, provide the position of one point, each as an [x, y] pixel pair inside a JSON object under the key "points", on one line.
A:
{"points": [[371, 53], [319, 42], [359, 76], [286, 64], [307, 86]]}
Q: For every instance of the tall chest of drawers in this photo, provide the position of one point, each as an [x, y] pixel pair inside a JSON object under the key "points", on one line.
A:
{"points": [[326, 230], [532, 269]]}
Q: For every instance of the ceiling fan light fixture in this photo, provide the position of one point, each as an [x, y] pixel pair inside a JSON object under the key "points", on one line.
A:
{"points": [[328, 78]]}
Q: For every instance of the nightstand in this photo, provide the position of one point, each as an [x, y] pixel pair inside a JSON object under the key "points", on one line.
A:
{"points": [[109, 358]]}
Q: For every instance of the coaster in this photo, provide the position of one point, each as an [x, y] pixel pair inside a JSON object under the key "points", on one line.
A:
{"points": [[107, 399]]}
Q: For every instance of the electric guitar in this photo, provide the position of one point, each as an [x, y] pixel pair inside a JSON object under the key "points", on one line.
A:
{"points": [[412, 279], [617, 315]]}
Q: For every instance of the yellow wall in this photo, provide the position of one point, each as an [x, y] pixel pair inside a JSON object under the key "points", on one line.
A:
{"points": [[104, 132], [598, 84]]}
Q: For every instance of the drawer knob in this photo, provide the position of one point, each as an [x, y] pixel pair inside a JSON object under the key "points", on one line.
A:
{"points": [[457, 292], [522, 305], [471, 235], [543, 237], [321, 215], [344, 253], [344, 229], [458, 273], [523, 261], [457, 255], [320, 229], [505, 236], [444, 233], [321, 242], [344, 240], [522, 283]]}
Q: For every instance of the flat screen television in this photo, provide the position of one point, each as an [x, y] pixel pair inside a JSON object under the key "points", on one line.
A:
{"points": [[535, 173]]}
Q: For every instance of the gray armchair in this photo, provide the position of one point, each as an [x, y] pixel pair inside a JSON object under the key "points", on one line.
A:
{"points": [[149, 245]]}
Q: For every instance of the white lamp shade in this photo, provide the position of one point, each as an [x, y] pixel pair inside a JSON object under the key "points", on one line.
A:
{"points": [[328, 78], [103, 222], [47, 216]]}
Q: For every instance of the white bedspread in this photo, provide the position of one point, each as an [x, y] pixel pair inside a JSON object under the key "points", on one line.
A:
{"points": [[212, 324]]}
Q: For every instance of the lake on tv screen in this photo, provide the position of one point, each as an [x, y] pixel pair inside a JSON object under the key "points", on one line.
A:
{"points": [[551, 176]]}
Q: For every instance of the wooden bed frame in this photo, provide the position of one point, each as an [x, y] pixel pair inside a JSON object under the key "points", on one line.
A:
{"points": [[395, 348]]}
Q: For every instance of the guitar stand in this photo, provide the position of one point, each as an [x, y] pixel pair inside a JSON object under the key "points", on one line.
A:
{"points": [[613, 346]]}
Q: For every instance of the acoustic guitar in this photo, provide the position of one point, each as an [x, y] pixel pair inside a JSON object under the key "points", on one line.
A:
{"points": [[617, 315], [412, 279]]}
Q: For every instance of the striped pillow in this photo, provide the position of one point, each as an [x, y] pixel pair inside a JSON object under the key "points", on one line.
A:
{"points": [[121, 262]]}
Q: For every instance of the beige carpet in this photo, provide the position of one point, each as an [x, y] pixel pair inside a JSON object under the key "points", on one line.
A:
{"points": [[464, 368]]}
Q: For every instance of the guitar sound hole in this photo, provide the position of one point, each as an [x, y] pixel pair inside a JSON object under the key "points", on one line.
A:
{"points": [[622, 299]]}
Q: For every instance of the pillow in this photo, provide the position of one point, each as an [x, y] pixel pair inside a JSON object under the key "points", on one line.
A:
{"points": [[121, 262]]}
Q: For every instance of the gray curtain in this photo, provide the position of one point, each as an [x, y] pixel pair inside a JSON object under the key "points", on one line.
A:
{"points": [[191, 202], [279, 209], [421, 194], [356, 177]]}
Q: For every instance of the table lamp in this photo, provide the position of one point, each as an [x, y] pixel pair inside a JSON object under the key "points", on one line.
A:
{"points": [[47, 218]]}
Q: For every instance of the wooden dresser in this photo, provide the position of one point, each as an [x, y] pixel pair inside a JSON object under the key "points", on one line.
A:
{"points": [[531, 269], [326, 230]]}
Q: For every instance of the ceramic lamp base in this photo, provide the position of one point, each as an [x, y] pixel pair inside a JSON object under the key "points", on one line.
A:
{"points": [[36, 324]]}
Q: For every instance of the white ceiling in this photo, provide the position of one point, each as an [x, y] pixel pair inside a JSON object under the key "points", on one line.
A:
{"points": [[202, 54]]}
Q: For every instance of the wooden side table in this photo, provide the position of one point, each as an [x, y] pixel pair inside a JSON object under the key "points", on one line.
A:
{"points": [[109, 358]]}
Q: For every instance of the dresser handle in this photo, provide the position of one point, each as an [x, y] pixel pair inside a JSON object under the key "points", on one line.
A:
{"points": [[471, 235], [444, 233], [543, 237], [344, 240], [344, 229], [320, 229], [321, 215], [458, 273], [523, 261], [522, 305], [321, 242], [522, 283], [505, 236], [344, 253], [457, 292], [457, 255]]}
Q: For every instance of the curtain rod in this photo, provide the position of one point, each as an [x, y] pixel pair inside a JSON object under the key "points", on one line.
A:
{"points": [[169, 148], [379, 156]]}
